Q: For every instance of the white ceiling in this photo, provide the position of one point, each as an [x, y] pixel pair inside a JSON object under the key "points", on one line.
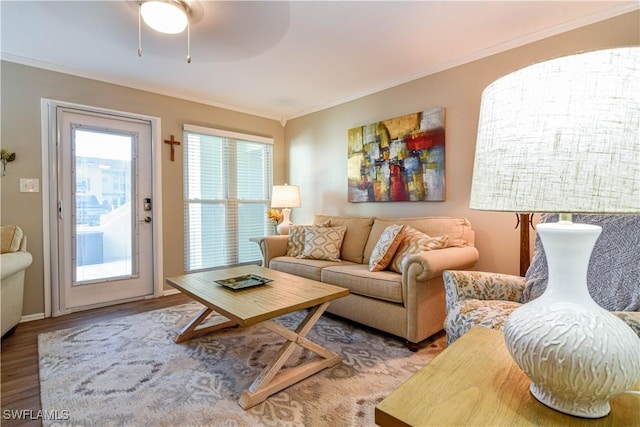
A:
{"points": [[281, 59]]}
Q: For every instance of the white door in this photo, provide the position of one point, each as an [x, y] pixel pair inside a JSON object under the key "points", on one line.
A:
{"points": [[104, 225]]}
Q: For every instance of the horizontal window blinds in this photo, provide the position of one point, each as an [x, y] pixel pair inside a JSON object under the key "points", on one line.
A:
{"points": [[227, 181]]}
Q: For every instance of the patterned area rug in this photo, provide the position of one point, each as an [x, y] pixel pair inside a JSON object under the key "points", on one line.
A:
{"points": [[129, 372]]}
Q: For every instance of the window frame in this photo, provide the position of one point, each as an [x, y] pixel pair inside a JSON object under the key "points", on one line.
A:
{"points": [[230, 201]]}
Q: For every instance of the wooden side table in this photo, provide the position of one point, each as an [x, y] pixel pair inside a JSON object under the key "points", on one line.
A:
{"points": [[475, 382]]}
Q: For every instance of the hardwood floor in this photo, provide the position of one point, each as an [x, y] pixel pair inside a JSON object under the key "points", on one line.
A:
{"points": [[20, 389]]}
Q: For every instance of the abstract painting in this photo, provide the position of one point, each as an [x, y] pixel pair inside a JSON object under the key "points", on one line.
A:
{"points": [[398, 160]]}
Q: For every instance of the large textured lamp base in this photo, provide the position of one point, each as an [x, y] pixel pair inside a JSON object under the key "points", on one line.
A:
{"points": [[577, 354]]}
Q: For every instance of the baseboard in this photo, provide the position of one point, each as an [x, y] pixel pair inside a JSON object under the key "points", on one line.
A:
{"points": [[40, 316], [32, 317]]}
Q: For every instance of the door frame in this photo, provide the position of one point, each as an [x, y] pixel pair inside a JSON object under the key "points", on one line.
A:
{"points": [[50, 135]]}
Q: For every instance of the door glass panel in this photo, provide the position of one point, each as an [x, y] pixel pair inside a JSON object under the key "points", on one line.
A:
{"points": [[103, 217]]}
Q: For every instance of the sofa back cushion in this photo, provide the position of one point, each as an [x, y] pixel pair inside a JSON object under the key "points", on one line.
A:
{"points": [[355, 237], [10, 238], [613, 275], [458, 229]]}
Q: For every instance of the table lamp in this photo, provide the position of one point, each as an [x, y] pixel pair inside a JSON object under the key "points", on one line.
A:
{"points": [[285, 197], [563, 136]]}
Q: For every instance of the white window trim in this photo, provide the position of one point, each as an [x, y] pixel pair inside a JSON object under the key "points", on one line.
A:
{"points": [[219, 133], [227, 134]]}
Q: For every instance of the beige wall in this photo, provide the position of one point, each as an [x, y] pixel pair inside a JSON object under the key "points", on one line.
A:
{"points": [[22, 89], [318, 142]]}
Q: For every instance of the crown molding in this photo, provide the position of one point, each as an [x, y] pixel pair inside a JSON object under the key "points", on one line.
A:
{"points": [[283, 119], [132, 84], [480, 54]]}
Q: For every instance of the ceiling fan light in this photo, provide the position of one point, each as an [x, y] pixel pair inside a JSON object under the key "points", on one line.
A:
{"points": [[168, 17]]}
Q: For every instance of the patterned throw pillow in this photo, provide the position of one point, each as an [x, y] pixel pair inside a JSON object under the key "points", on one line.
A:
{"points": [[323, 243], [295, 240], [415, 242], [386, 247]]}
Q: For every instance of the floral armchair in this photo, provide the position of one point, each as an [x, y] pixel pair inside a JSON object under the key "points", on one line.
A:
{"points": [[475, 298]]}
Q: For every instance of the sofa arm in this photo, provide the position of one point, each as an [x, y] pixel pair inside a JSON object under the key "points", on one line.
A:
{"points": [[429, 264], [13, 262], [460, 285], [271, 247]]}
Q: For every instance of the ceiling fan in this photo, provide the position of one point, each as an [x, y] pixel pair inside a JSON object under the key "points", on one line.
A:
{"points": [[169, 17]]}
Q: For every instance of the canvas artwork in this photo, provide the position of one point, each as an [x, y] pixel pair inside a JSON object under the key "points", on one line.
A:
{"points": [[398, 160]]}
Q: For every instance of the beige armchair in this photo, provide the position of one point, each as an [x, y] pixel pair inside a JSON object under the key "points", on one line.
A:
{"points": [[475, 298], [14, 259]]}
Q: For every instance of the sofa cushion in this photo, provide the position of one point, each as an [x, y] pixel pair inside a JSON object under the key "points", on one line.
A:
{"points": [[458, 229], [613, 275], [323, 243], [383, 285], [295, 240], [10, 238], [386, 247], [308, 268], [413, 242], [355, 237]]}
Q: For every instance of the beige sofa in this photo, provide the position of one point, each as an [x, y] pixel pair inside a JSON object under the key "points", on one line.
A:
{"points": [[14, 259], [410, 305]]}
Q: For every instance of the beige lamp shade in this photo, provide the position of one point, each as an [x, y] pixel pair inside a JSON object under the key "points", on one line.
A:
{"points": [[285, 196], [562, 136]]}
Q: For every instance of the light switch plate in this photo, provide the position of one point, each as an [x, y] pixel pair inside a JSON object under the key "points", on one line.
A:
{"points": [[29, 185]]}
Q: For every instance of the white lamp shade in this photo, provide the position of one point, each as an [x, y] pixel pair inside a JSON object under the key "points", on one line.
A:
{"points": [[285, 196], [168, 17], [562, 136]]}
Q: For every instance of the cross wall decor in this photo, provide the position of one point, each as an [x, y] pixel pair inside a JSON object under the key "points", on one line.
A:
{"points": [[173, 143]]}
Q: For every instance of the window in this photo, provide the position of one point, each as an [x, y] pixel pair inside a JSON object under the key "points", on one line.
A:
{"points": [[227, 180]]}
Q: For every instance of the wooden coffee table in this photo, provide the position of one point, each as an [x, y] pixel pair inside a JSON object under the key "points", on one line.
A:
{"points": [[244, 307]]}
